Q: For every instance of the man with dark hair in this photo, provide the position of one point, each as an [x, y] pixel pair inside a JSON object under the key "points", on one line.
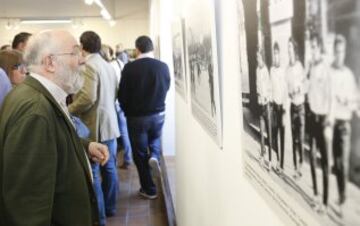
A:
{"points": [[20, 41], [143, 87], [279, 102], [94, 104], [90, 42], [144, 44], [344, 95], [319, 98]]}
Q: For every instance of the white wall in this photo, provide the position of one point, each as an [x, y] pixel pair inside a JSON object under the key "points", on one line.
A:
{"points": [[125, 31], [211, 188], [160, 29]]}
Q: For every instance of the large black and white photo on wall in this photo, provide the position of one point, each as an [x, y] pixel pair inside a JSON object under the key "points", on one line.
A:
{"points": [[203, 66], [179, 57], [301, 107]]}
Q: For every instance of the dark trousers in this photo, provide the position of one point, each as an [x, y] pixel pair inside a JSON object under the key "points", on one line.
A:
{"points": [[278, 131], [265, 125], [298, 131], [318, 142], [341, 151], [145, 138]]}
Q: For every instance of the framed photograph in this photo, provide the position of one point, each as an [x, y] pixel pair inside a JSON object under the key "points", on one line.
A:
{"points": [[203, 67], [179, 57], [301, 108]]}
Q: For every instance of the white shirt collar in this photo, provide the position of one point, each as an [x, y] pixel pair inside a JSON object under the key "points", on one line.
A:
{"points": [[58, 93], [146, 55], [89, 56]]}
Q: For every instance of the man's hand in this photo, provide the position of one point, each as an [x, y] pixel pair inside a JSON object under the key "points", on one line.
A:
{"points": [[98, 153]]}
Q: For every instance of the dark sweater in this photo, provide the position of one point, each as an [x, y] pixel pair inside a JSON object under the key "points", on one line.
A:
{"points": [[143, 87]]}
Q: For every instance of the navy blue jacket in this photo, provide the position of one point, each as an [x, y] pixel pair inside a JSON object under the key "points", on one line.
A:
{"points": [[143, 87]]}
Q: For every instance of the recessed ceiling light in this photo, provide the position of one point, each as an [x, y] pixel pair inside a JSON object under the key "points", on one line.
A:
{"points": [[89, 2], [46, 21]]}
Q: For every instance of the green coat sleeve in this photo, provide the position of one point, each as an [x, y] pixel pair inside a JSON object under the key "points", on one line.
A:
{"points": [[87, 95], [29, 173], [85, 143]]}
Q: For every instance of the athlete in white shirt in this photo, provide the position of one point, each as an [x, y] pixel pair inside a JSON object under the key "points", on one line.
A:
{"points": [[296, 81], [263, 86], [344, 96], [279, 99]]}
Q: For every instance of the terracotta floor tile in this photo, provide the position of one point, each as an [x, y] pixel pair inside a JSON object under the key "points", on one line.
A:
{"points": [[132, 210]]}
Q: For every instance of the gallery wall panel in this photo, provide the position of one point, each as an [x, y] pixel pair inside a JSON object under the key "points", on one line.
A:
{"points": [[300, 107], [202, 63]]}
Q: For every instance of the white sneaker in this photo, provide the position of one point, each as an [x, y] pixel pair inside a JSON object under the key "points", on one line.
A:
{"points": [[147, 196], [316, 203], [155, 166], [278, 167], [323, 210]]}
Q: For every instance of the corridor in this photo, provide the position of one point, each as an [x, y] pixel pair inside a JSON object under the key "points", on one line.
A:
{"points": [[132, 209]]}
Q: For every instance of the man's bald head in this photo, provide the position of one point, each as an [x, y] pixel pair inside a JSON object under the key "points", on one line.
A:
{"points": [[46, 43], [55, 55]]}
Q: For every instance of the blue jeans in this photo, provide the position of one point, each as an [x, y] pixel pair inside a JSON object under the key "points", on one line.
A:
{"points": [[124, 134], [145, 138], [81, 128], [107, 189]]}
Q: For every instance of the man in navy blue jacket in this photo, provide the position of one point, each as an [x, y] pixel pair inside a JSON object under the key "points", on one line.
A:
{"points": [[142, 92]]}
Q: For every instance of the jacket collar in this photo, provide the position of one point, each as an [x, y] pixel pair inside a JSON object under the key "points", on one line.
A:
{"points": [[39, 87], [30, 81]]}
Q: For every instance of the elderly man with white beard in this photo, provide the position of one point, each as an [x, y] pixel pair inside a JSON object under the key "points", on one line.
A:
{"points": [[45, 175]]}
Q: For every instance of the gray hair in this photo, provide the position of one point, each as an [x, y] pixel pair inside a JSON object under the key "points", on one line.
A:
{"points": [[38, 47]]}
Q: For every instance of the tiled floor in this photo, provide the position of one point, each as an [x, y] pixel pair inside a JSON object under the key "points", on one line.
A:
{"points": [[133, 210]]}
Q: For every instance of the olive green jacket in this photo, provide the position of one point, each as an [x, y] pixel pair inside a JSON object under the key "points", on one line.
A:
{"points": [[44, 176]]}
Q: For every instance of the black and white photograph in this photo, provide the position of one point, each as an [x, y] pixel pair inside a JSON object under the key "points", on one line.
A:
{"points": [[245, 88], [203, 67], [179, 57], [301, 107]]}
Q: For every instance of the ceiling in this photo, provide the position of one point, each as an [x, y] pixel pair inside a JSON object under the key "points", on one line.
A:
{"points": [[49, 9]]}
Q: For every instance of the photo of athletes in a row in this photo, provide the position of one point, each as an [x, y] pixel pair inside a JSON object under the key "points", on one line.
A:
{"points": [[302, 114]]}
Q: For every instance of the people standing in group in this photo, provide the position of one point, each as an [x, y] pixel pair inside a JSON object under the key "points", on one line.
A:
{"points": [[143, 88], [319, 101], [106, 53], [192, 73], [45, 172], [11, 61], [279, 103], [94, 104], [20, 41], [118, 66], [344, 93], [296, 83], [121, 54], [263, 86], [5, 47], [211, 87]]}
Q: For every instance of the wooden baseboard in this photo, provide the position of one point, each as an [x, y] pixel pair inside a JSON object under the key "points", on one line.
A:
{"points": [[169, 204]]}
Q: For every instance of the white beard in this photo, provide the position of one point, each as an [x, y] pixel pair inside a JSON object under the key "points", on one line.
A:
{"points": [[71, 81]]}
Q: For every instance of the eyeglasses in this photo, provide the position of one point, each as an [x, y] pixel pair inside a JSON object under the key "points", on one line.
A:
{"points": [[75, 52], [19, 67]]}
